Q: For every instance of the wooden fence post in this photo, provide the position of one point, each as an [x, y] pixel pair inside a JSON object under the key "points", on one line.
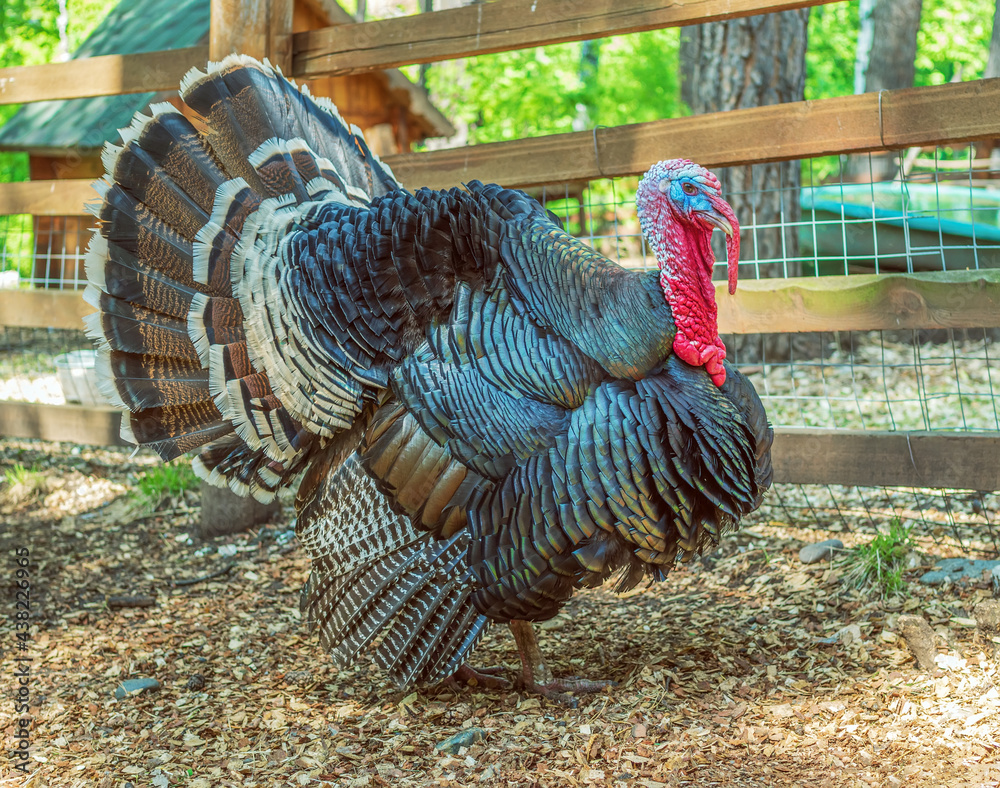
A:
{"points": [[259, 28]]}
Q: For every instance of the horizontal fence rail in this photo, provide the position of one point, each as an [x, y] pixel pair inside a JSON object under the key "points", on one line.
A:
{"points": [[504, 25], [346, 49], [91, 426], [862, 302], [105, 75], [859, 302], [946, 460], [47, 198], [943, 114]]}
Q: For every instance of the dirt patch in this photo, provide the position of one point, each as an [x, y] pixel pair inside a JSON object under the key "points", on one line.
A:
{"points": [[746, 668]]}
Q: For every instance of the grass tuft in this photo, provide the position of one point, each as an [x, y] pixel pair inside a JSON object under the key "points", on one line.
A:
{"points": [[164, 481], [19, 475], [22, 483], [880, 564]]}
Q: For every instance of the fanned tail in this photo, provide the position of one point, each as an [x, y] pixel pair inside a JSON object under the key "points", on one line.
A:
{"points": [[381, 587], [182, 212]]}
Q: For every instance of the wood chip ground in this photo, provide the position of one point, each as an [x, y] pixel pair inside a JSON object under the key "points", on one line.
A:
{"points": [[746, 668]]}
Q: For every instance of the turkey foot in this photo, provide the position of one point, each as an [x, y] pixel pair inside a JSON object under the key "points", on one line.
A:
{"points": [[490, 678], [536, 676]]}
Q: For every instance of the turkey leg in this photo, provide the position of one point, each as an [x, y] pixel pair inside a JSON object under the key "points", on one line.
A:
{"points": [[535, 674]]}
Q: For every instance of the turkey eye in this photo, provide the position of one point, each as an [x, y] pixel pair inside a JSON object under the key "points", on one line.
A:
{"points": [[689, 188]]}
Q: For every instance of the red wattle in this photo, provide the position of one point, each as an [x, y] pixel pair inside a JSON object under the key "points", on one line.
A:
{"points": [[732, 241], [708, 356]]}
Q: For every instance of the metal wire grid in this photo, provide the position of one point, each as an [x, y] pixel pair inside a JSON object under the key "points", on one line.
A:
{"points": [[968, 520], [940, 215], [877, 380], [861, 380], [44, 251]]}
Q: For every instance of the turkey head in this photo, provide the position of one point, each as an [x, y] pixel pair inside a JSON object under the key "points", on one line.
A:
{"points": [[679, 205]]}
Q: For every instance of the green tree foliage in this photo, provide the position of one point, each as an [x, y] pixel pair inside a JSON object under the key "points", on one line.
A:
{"points": [[29, 35], [953, 42], [526, 93]]}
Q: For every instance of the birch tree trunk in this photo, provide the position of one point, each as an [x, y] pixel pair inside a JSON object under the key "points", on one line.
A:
{"points": [[752, 62]]}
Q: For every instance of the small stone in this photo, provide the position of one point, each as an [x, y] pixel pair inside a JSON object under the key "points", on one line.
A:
{"points": [[820, 551], [987, 616], [465, 738], [135, 686], [955, 569], [223, 512], [196, 682], [920, 638]]}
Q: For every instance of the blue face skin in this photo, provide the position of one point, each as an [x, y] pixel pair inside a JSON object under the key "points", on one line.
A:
{"points": [[691, 197]]}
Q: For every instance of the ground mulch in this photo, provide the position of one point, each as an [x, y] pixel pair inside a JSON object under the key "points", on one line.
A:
{"points": [[745, 668]]}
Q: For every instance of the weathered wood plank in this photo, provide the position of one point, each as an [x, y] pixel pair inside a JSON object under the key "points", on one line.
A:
{"points": [[46, 198], [950, 113], [502, 25], [259, 28], [868, 302], [72, 423], [954, 299], [943, 114], [43, 309], [947, 460], [107, 75], [61, 309]]}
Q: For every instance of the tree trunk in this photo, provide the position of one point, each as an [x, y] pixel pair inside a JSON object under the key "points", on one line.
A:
{"points": [[993, 60], [866, 35], [990, 147], [590, 60], [752, 62], [891, 64]]}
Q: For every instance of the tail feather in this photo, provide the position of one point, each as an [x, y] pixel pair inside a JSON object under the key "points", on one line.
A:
{"points": [[127, 278], [244, 107], [172, 431], [127, 224], [152, 381], [380, 586], [189, 216], [231, 463], [135, 170], [172, 145], [134, 329]]}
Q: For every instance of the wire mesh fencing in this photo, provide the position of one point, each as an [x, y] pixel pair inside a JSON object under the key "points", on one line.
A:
{"points": [[44, 251], [913, 211]]}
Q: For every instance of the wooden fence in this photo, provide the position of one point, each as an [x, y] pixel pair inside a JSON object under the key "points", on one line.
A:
{"points": [[946, 114]]}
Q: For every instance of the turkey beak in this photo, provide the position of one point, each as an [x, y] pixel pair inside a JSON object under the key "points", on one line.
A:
{"points": [[722, 216]]}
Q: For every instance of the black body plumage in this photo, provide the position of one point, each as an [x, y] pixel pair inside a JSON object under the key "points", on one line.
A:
{"points": [[488, 412]]}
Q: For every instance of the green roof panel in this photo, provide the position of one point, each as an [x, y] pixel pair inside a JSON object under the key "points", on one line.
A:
{"points": [[87, 123]]}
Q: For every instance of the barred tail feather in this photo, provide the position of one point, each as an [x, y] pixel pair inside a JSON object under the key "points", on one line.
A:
{"points": [[185, 211], [379, 586]]}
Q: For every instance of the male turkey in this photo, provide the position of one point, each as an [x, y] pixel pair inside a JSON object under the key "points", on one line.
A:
{"points": [[488, 413]]}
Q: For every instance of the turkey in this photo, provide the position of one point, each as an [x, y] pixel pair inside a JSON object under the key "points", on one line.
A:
{"points": [[482, 413]]}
